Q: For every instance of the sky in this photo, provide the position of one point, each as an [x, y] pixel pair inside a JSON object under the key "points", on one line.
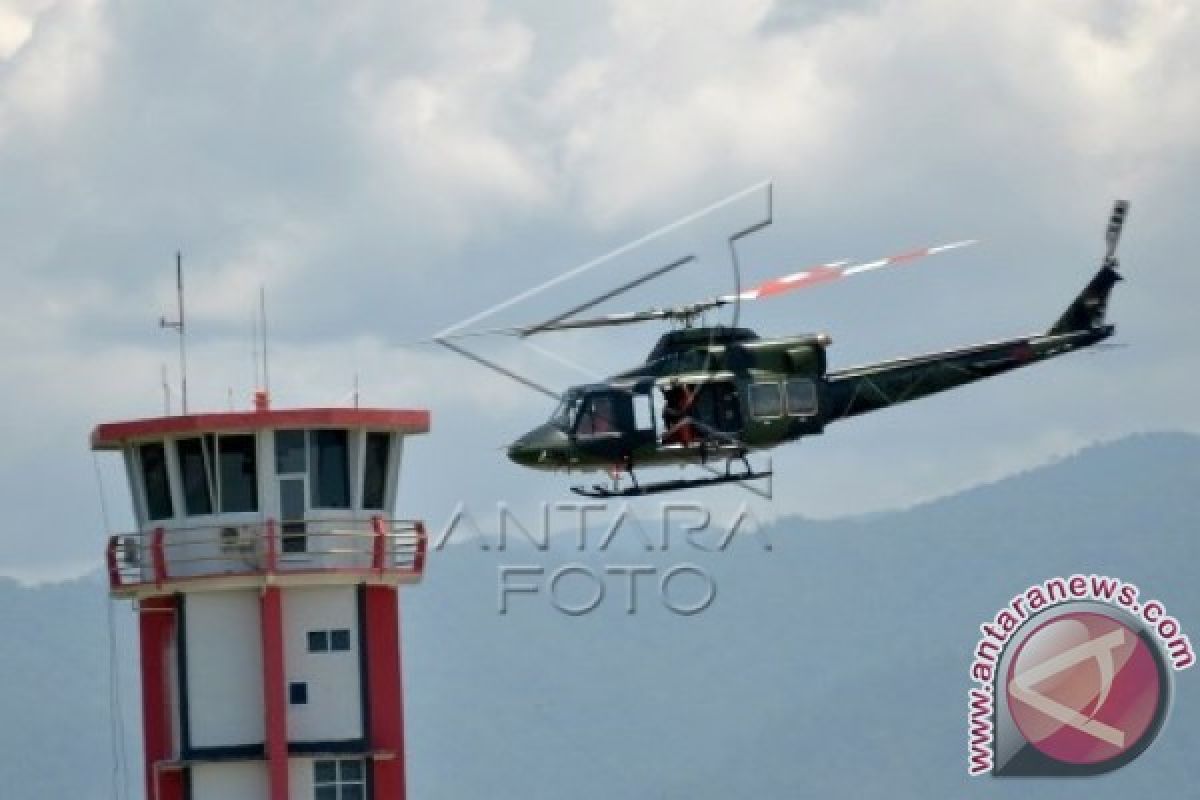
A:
{"points": [[386, 170]]}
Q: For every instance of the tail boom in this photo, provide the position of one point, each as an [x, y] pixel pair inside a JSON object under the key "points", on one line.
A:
{"points": [[860, 390]]}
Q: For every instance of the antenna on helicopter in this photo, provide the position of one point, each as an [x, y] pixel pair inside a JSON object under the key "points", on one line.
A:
{"points": [[179, 326]]}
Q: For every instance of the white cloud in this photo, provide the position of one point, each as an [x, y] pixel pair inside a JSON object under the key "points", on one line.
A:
{"points": [[445, 132], [46, 79]]}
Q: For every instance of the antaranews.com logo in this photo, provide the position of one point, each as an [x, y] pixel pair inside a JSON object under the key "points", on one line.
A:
{"points": [[1073, 678]]}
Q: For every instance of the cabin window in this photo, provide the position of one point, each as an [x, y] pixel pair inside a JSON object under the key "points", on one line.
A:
{"points": [[153, 458], [238, 474], [195, 467], [801, 397], [330, 464], [766, 400], [643, 412], [375, 469]]}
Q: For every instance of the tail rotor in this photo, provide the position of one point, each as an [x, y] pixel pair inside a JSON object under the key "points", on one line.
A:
{"points": [[1115, 223]]}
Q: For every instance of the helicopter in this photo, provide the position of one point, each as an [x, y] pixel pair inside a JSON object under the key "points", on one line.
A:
{"points": [[716, 394]]}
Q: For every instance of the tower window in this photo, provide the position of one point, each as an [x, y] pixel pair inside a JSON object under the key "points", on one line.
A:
{"points": [[341, 779], [238, 473], [153, 457], [298, 693], [336, 640], [375, 469], [330, 465], [339, 640], [290, 452], [195, 466]]}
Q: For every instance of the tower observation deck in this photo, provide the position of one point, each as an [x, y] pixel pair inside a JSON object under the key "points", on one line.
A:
{"points": [[264, 571]]}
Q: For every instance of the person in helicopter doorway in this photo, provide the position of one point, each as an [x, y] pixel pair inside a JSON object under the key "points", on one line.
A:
{"points": [[677, 414]]}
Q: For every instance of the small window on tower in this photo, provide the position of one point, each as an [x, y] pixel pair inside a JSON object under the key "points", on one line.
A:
{"points": [[375, 469], [339, 640], [343, 779], [318, 641], [154, 478], [298, 693]]}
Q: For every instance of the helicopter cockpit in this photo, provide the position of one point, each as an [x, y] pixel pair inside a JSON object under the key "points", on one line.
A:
{"points": [[599, 411], [596, 421], [606, 422]]}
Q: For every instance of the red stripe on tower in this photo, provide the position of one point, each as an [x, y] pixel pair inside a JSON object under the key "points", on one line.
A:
{"points": [[156, 628], [274, 696], [385, 691]]}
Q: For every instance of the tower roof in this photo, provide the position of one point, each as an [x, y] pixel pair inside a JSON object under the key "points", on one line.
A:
{"points": [[113, 435]]}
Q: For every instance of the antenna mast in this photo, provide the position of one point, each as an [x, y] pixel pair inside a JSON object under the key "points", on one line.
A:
{"points": [[178, 326], [262, 310], [166, 387]]}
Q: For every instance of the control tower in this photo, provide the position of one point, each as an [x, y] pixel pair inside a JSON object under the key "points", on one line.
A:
{"points": [[264, 573]]}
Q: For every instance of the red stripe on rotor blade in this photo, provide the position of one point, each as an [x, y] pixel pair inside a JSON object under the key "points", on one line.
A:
{"points": [[812, 277], [909, 256]]}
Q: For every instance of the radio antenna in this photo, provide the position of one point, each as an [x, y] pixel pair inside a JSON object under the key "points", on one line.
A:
{"points": [[166, 387], [254, 348], [178, 325], [262, 310]]}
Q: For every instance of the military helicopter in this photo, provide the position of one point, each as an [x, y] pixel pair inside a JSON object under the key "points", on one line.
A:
{"points": [[717, 394]]}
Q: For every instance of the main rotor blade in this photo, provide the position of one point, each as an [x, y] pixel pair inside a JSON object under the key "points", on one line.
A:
{"points": [[556, 322], [596, 322], [826, 273], [813, 276]]}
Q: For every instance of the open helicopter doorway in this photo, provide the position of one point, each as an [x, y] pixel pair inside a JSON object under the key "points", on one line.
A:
{"points": [[701, 413]]}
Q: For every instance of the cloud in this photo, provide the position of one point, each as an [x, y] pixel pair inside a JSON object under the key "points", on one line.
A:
{"points": [[42, 86]]}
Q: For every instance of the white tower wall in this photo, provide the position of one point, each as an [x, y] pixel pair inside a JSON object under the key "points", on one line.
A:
{"points": [[237, 780], [332, 676], [224, 668]]}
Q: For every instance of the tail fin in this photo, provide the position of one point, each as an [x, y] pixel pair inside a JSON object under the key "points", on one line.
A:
{"points": [[1089, 308]]}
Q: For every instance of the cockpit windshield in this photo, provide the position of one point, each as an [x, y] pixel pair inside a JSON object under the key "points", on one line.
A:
{"points": [[564, 416], [592, 412]]}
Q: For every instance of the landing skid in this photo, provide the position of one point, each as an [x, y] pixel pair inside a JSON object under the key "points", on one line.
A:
{"points": [[599, 491]]}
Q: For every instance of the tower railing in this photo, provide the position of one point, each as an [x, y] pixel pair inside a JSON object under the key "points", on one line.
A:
{"points": [[374, 548]]}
